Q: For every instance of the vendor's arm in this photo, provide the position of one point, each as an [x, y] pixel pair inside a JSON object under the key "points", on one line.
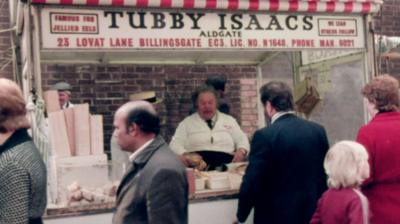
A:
{"points": [[178, 142], [240, 155], [241, 141]]}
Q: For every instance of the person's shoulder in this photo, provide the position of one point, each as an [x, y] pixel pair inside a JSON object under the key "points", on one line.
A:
{"points": [[162, 161], [22, 151], [265, 131], [190, 118], [164, 157], [312, 124], [365, 128], [13, 160], [317, 125], [346, 192], [226, 117]]}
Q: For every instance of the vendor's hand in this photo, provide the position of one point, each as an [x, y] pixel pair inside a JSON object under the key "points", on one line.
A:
{"points": [[239, 156], [185, 160], [193, 160]]}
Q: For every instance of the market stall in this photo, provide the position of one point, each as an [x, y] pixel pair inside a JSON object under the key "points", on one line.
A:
{"points": [[322, 45]]}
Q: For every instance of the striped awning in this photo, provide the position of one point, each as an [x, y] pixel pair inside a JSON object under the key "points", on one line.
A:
{"points": [[309, 6]]}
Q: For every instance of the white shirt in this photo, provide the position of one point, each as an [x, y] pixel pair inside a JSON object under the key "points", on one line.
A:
{"points": [[67, 104], [133, 156], [280, 114], [193, 134]]}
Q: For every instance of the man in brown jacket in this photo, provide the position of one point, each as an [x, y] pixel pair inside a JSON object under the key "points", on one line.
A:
{"points": [[154, 189]]}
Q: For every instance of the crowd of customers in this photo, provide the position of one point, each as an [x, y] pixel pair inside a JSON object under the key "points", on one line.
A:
{"points": [[293, 176]]}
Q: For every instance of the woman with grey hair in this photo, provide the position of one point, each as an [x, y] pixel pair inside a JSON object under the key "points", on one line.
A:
{"points": [[381, 139], [22, 170]]}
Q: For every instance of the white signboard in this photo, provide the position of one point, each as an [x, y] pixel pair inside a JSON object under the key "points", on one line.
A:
{"points": [[308, 57], [143, 29]]}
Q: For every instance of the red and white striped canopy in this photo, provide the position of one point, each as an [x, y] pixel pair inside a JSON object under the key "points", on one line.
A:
{"points": [[310, 6]]}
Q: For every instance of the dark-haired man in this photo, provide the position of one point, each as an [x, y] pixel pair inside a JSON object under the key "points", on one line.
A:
{"points": [[218, 82], [154, 188], [285, 176]]}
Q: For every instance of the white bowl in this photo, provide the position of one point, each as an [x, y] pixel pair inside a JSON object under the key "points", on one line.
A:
{"points": [[200, 184]]}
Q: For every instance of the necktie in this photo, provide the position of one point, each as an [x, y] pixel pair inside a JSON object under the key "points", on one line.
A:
{"points": [[210, 123]]}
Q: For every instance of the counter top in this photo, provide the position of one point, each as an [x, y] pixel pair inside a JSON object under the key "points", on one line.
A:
{"points": [[211, 195], [54, 211], [200, 196]]}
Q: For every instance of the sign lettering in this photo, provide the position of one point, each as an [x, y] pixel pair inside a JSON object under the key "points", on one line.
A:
{"points": [[145, 29]]}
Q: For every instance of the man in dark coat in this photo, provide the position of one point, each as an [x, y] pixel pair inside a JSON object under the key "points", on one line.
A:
{"points": [[154, 189], [285, 176]]}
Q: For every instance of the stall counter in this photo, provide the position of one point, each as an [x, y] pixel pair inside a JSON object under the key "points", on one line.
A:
{"points": [[207, 206]]}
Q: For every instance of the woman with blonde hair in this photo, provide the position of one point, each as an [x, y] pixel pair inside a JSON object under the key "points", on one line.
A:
{"points": [[381, 138], [346, 165], [22, 171]]}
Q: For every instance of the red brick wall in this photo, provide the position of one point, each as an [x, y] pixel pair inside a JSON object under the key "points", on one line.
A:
{"points": [[5, 44], [387, 23], [105, 88]]}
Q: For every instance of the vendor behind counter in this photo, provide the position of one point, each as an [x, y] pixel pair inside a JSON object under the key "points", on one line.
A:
{"points": [[209, 139]]}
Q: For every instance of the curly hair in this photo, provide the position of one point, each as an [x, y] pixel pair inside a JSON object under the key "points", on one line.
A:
{"points": [[383, 91], [12, 107]]}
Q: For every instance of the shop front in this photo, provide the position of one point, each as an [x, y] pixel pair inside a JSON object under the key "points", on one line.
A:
{"points": [[108, 49]]}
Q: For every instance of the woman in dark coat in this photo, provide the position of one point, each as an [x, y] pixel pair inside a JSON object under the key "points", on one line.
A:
{"points": [[22, 170]]}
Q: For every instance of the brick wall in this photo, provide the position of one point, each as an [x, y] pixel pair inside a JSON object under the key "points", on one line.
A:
{"points": [[387, 23], [5, 44], [105, 88]]}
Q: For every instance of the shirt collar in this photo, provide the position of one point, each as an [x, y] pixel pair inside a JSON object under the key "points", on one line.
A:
{"points": [[67, 104], [214, 119], [133, 156], [280, 114]]}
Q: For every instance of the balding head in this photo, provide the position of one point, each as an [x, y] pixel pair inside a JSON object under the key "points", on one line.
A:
{"points": [[135, 123], [124, 110]]}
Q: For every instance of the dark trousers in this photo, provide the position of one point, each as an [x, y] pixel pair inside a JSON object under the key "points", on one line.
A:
{"points": [[36, 221]]}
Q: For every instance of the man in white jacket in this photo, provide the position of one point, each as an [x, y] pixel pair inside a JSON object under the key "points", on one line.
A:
{"points": [[213, 135]]}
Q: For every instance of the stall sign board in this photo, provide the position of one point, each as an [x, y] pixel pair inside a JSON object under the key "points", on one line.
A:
{"points": [[64, 28], [309, 57]]}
